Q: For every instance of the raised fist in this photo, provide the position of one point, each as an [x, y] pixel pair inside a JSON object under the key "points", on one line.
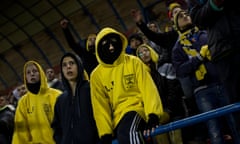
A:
{"points": [[64, 23]]}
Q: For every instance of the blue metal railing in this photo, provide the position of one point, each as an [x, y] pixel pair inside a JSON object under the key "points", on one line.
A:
{"points": [[195, 119]]}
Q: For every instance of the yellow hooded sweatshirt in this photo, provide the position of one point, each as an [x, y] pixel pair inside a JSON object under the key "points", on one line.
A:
{"points": [[121, 87], [35, 112]]}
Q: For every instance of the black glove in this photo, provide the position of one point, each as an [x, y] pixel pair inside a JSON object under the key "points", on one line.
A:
{"points": [[153, 121], [106, 139]]}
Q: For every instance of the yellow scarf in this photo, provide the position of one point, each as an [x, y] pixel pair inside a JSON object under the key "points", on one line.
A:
{"points": [[187, 47]]}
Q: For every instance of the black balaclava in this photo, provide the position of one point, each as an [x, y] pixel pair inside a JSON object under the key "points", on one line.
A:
{"points": [[103, 48], [34, 88]]}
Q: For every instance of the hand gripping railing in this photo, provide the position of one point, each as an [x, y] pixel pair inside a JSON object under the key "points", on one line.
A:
{"points": [[195, 119]]}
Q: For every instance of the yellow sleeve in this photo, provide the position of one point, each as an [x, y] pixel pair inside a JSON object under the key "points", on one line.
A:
{"points": [[151, 98], [101, 106], [21, 133]]}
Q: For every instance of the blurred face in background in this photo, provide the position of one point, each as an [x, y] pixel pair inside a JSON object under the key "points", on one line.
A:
{"points": [[134, 43], [32, 74], [50, 74], [91, 39], [91, 42], [3, 101], [153, 27], [21, 90]]}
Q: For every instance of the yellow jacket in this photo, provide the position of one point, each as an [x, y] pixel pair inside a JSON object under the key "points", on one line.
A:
{"points": [[121, 87], [34, 114]]}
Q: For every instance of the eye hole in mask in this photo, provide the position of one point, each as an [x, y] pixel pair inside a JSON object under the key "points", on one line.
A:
{"points": [[107, 41]]}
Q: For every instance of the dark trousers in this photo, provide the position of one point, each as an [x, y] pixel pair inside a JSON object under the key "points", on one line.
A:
{"points": [[229, 71], [130, 128]]}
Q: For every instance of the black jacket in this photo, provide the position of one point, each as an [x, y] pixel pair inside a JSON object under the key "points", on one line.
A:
{"points": [[6, 125], [223, 27], [73, 116]]}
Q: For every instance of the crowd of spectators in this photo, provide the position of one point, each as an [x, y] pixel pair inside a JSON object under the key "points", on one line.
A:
{"points": [[122, 88]]}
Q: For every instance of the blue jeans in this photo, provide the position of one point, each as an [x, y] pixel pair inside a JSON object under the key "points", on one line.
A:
{"points": [[187, 86], [212, 97]]}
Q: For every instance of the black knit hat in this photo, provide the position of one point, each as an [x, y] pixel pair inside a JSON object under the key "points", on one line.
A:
{"points": [[103, 50]]}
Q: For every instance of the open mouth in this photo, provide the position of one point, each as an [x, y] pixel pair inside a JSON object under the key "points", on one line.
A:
{"points": [[69, 73], [33, 80]]}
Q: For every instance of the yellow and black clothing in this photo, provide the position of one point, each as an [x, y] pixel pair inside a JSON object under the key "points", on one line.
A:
{"points": [[169, 89], [34, 112], [188, 61], [120, 84], [171, 96]]}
